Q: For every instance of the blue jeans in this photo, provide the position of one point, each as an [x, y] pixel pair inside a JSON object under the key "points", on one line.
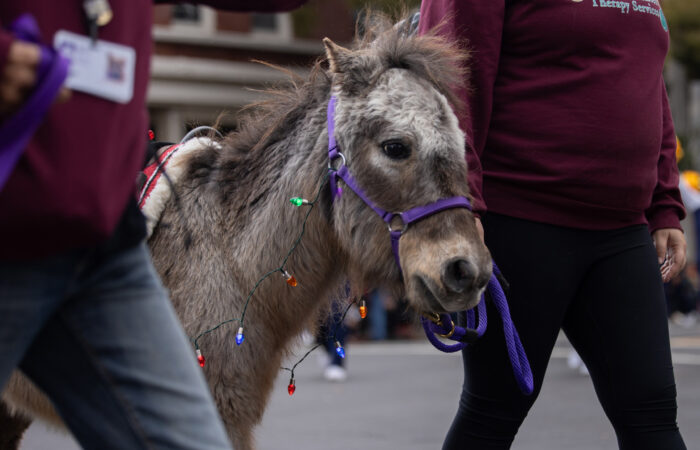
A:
{"points": [[96, 332]]}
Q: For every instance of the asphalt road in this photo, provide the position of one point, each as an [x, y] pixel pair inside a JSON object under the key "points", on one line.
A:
{"points": [[403, 395]]}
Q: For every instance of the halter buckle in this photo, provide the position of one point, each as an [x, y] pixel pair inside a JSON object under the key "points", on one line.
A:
{"points": [[435, 318]]}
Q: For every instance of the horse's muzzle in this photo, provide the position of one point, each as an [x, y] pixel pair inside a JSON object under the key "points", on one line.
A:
{"points": [[460, 276]]}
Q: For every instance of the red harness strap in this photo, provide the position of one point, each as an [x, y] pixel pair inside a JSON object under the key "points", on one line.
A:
{"points": [[153, 173]]}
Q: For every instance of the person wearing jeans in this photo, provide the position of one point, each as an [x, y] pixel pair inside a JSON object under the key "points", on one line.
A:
{"points": [[82, 312]]}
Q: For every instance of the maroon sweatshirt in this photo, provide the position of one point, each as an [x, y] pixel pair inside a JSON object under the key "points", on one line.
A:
{"points": [[76, 176], [568, 121]]}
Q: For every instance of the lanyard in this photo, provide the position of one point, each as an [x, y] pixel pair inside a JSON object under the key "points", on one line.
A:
{"points": [[98, 13]]}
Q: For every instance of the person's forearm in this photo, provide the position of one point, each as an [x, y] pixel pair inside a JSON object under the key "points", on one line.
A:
{"points": [[666, 210]]}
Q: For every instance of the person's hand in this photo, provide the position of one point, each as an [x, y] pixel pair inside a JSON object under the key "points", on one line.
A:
{"points": [[670, 248], [18, 77]]}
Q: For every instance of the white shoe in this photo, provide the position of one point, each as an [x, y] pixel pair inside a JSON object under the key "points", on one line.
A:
{"points": [[322, 358], [307, 338], [684, 320], [335, 373], [583, 370], [573, 361]]}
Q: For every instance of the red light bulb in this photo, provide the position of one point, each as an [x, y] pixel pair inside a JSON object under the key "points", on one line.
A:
{"points": [[200, 358], [151, 135], [291, 388]]}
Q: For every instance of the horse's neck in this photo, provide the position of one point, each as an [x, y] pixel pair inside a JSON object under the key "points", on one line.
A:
{"points": [[293, 167]]}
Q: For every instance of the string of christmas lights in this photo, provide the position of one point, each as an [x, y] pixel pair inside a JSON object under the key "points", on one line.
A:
{"points": [[338, 347], [240, 337]]}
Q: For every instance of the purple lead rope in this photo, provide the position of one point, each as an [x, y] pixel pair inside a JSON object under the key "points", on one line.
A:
{"points": [[516, 352], [445, 327], [16, 131]]}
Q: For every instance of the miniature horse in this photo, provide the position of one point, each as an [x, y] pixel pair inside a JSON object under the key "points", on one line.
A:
{"points": [[233, 222]]}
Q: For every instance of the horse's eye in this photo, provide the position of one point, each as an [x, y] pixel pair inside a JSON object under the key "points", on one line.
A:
{"points": [[396, 150]]}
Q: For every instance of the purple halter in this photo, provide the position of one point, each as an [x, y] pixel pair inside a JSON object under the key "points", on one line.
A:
{"points": [[407, 217], [442, 324], [16, 131]]}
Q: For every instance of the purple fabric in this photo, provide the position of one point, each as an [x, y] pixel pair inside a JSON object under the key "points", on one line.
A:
{"points": [[345, 175], [546, 110], [16, 131], [395, 238], [421, 212]]}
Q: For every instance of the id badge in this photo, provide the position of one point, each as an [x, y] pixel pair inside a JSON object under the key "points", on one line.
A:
{"points": [[103, 69]]}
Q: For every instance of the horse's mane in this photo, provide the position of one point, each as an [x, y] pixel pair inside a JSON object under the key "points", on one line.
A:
{"points": [[429, 56]]}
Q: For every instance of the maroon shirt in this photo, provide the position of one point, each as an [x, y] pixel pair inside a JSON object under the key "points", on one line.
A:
{"points": [[76, 176], [569, 121]]}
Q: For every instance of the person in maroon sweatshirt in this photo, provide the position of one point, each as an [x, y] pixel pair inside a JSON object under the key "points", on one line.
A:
{"points": [[82, 312], [572, 169]]}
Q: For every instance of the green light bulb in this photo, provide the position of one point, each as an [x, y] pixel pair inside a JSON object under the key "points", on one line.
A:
{"points": [[297, 201]]}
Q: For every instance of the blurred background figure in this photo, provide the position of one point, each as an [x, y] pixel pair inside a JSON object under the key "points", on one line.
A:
{"points": [[378, 303], [681, 297], [332, 334], [682, 290]]}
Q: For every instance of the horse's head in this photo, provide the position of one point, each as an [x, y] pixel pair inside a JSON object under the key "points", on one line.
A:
{"points": [[396, 129]]}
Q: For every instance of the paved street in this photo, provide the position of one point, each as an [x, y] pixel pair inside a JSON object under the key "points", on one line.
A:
{"points": [[402, 395]]}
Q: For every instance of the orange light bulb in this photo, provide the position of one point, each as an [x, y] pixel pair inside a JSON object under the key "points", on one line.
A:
{"points": [[290, 279]]}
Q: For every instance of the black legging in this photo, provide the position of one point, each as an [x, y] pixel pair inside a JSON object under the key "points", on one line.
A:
{"points": [[604, 289]]}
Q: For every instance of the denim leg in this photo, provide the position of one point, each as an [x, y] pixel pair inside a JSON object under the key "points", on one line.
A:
{"points": [[30, 293], [118, 366], [377, 316]]}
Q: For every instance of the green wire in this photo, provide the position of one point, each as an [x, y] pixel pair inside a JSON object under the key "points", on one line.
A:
{"points": [[342, 318], [311, 205]]}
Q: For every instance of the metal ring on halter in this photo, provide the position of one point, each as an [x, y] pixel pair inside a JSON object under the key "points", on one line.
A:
{"points": [[435, 318], [448, 335], [403, 222], [330, 161]]}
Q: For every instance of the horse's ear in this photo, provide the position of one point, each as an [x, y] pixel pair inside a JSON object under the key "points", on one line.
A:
{"points": [[338, 57]]}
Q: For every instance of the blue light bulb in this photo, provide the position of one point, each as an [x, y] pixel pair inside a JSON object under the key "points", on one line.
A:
{"points": [[239, 336], [339, 349]]}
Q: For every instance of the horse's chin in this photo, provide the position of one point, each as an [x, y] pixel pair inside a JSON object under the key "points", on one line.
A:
{"points": [[426, 296]]}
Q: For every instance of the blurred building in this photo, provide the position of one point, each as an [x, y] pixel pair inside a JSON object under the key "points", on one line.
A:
{"points": [[203, 61]]}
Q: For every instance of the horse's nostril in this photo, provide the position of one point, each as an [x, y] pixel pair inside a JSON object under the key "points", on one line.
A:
{"points": [[482, 280], [458, 275]]}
